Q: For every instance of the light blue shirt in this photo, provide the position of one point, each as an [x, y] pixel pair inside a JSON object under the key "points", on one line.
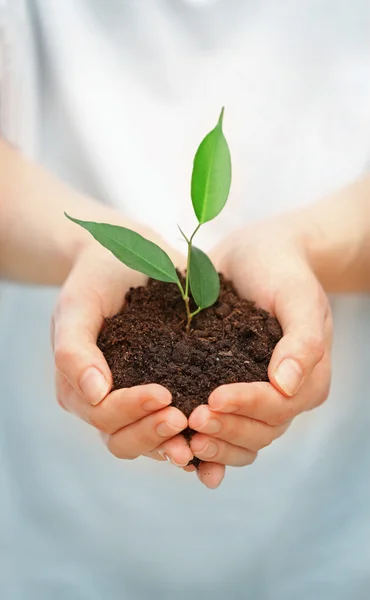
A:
{"points": [[78, 524]]}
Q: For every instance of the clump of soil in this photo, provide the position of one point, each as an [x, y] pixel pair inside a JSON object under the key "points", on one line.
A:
{"points": [[146, 343]]}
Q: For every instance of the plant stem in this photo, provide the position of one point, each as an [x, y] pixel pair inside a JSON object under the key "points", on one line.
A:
{"points": [[181, 290], [194, 232], [196, 312], [183, 234], [187, 271], [186, 299], [188, 261], [189, 314]]}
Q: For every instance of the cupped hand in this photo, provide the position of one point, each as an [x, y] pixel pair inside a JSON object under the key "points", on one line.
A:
{"points": [[268, 264], [135, 421]]}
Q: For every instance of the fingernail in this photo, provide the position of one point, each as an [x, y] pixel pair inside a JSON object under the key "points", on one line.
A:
{"points": [[223, 406], [164, 455], [156, 404], [211, 426], [94, 386], [217, 403], [289, 376], [182, 465], [173, 462], [168, 428], [209, 451]]}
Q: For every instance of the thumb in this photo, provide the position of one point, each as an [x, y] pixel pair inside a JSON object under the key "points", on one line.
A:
{"points": [[89, 294], [76, 324], [301, 309]]}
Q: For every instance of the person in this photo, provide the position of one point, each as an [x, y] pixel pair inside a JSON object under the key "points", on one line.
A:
{"points": [[78, 524]]}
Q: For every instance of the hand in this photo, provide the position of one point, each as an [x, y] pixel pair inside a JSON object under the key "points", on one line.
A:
{"points": [[135, 421], [269, 265]]}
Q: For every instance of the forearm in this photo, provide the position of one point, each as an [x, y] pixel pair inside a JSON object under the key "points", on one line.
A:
{"points": [[37, 243], [336, 236]]}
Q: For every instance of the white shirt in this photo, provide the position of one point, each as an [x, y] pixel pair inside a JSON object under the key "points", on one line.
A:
{"points": [[123, 91]]}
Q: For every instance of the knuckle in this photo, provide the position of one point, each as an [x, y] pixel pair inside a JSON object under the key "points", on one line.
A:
{"points": [[65, 300], [63, 392], [323, 396], [253, 404], [100, 417], [119, 450], [147, 442], [60, 400], [231, 431], [247, 459], [315, 344], [95, 420], [62, 356], [268, 437], [287, 414], [252, 457]]}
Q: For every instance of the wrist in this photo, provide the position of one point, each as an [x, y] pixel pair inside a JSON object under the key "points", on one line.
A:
{"points": [[335, 236], [38, 244]]}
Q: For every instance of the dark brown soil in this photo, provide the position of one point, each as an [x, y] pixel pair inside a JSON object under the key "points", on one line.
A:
{"points": [[146, 343]]}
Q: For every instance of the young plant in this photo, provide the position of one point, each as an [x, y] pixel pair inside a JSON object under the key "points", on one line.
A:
{"points": [[210, 185]]}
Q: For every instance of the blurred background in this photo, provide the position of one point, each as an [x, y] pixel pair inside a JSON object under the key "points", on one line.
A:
{"points": [[114, 97]]}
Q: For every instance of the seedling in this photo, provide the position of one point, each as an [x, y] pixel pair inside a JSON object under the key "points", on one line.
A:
{"points": [[210, 185]]}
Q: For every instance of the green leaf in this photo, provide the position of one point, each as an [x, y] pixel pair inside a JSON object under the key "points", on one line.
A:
{"points": [[132, 249], [211, 178], [204, 279]]}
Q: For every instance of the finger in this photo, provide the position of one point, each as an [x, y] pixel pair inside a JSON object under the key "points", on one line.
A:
{"points": [[177, 451], [119, 409], [162, 457], [211, 474], [240, 431], [159, 456], [262, 402], [155, 455], [148, 434], [94, 289], [215, 450], [301, 308], [77, 322], [258, 400], [189, 469]]}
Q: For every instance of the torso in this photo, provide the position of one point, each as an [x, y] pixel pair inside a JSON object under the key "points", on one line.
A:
{"points": [[126, 93]]}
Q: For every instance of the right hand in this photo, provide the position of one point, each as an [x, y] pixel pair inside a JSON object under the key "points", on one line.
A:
{"points": [[135, 421], [268, 263]]}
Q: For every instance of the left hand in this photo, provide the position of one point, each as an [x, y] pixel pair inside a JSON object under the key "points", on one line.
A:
{"points": [[267, 264], [133, 421]]}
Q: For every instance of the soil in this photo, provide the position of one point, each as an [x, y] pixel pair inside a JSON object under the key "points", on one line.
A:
{"points": [[146, 343]]}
